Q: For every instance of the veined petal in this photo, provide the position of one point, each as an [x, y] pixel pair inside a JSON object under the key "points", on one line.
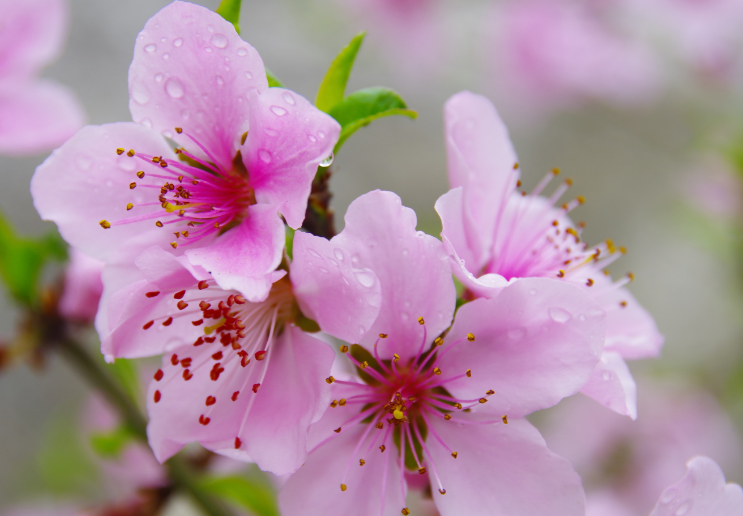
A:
{"points": [[197, 79]]}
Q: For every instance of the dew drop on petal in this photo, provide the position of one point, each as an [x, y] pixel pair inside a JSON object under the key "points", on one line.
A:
{"points": [[150, 48], [166, 56], [327, 161], [185, 114], [366, 278], [271, 132], [669, 496], [242, 51], [355, 259], [174, 87], [140, 94], [684, 508], [606, 375], [278, 110], [220, 81], [582, 317], [264, 155], [248, 75], [311, 138], [516, 333], [321, 134], [208, 50], [531, 291], [219, 41], [559, 314], [158, 77], [289, 98], [362, 330], [84, 162], [404, 316], [146, 122], [178, 42], [338, 253]]}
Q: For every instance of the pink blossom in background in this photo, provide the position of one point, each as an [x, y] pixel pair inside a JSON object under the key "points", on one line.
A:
{"points": [[714, 188], [495, 235], [551, 54], [701, 492], [626, 465], [82, 287], [503, 358], [114, 190], [35, 114], [238, 377]]}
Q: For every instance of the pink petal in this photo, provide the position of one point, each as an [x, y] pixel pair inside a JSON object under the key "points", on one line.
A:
{"points": [[85, 181], [245, 257], [413, 269], [38, 116], [702, 492], [343, 299], [271, 420], [454, 224], [537, 342], [481, 159], [612, 385], [501, 470], [288, 139], [197, 79], [314, 490], [293, 396], [32, 37], [82, 287], [630, 330]]}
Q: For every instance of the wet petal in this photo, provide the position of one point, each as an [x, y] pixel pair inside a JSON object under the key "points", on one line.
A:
{"points": [[612, 385]]}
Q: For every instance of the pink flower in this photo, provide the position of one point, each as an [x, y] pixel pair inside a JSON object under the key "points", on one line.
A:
{"points": [[702, 492], [241, 378], [496, 235], [246, 152], [453, 406], [82, 287], [554, 52], [35, 114]]}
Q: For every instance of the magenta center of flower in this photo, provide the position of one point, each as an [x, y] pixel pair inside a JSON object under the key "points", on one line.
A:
{"points": [[198, 197]]}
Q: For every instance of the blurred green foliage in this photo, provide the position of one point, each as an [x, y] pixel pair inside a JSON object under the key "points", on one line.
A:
{"points": [[252, 491], [230, 11]]}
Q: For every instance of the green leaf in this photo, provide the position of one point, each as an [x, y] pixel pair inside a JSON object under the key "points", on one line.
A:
{"points": [[252, 491], [273, 81], [110, 444], [230, 11], [333, 85], [22, 260], [63, 462], [362, 107], [126, 373]]}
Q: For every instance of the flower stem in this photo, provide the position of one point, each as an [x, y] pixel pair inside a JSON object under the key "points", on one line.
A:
{"points": [[180, 473]]}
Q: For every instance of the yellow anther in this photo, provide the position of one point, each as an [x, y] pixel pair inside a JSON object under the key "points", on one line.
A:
{"points": [[561, 274], [405, 511], [105, 224], [631, 276], [120, 151], [623, 304], [397, 357], [159, 224], [140, 174], [442, 491], [458, 405], [454, 454], [173, 245], [362, 462], [132, 185], [438, 342], [569, 182], [589, 282], [130, 153], [469, 373], [471, 337], [129, 206], [342, 402], [344, 349], [581, 199], [421, 321], [505, 420], [447, 417], [329, 380], [556, 171], [515, 166], [610, 246], [382, 448], [555, 223], [243, 138], [398, 414], [436, 371], [623, 250], [343, 487], [483, 400], [422, 471], [178, 130], [411, 398], [334, 404], [383, 335], [380, 425], [364, 364]]}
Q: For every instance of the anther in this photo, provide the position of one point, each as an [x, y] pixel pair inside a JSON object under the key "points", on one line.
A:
{"points": [[397, 357], [174, 359], [243, 138], [344, 349], [132, 185], [490, 392], [174, 245], [470, 337], [623, 304], [333, 403], [120, 151], [342, 402], [515, 166], [256, 386], [158, 396], [159, 224], [204, 420], [383, 335], [447, 417], [217, 355], [589, 282], [581, 199], [421, 321], [130, 153], [182, 305], [422, 471], [362, 462], [159, 375], [382, 448], [147, 325], [198, 323], [152, 294], [168, 321], [442, 491], [337, 430], [329, 380], [238, 443], [555, 171], [235, 395], [555, 223], [105, 224], [505, 420], [343, 487], [178, 130], [405, 511], [483, 400], [438, 342], [454, 454], [518, 183], [436, 371], [561, 274], [187, 375], [140, 174], [458, 405], [469, 373], [186, 362], [631, 276], [129, 206], [380, 425], [210, 400], [260, 355], [203, 284], [364, 364]]}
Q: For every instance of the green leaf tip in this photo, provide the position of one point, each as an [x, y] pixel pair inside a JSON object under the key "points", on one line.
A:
{"points": [[273, 81], [333, 86], [230, 11]]}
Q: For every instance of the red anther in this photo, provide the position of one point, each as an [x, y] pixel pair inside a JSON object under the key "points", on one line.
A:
{"points": [[198, 323], [179, 295], [230, 300], [222, 306], [168, 321], [182, 305], [204, 306], [216, 371], [158, 396], [159, 375], [186, 362], [148, 325], [209, 340], [238, 443], [235, 395], [255, 387], [187, 375], [152, 294], [217, 355], [174, 359], [204, 420], [235, 344], [210, 400], [337, 430], [245, 361], [260, 355], [240, 300], [199, 341], [203, 284]]}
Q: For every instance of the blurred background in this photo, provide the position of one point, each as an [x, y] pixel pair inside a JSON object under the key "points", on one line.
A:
{"points": [[640, 102]]}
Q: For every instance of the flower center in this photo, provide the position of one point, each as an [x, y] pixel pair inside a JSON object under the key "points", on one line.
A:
{"points": [[198, 198]]}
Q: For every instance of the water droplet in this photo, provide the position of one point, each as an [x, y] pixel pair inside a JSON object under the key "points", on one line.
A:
{"points": [[669, 496], [606, 375], [227, 68], [166, 56], [311, 138], [338, 253], [146, 122], [355, 259], [208, 50], [559, 314], [163, 40], [405, 252], [517, 333], [219, 41], [84, 162], [366, 278], [242, 51], [174, 87], [684, 508], [278, 110], [220, 81], [327, 161], [185, 114], [323, 270], [582, 317], [167, 134], [178, 42], [264, 155], [271, 132], [404, 316], [126, 163], [288, 98], [210, 28], [531, 291], [159, 77], [150, 48], [248, 75], [362, 330], [314, 253], [139, 93]]}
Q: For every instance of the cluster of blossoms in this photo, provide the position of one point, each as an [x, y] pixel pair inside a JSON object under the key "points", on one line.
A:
{"points": [[187, 208]]}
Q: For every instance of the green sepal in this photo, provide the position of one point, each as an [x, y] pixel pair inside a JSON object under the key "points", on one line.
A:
{"points": [[289, 242], [230, 11], [111, 444], [307, 324], [333, 86], [252, 491], [362, 107], [273, 81]]}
